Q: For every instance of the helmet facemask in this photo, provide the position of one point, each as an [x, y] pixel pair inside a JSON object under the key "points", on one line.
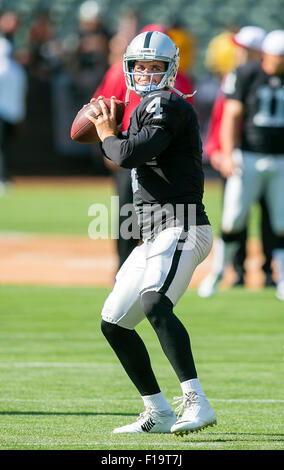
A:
{"points": [[167, 80], [146, 47]]}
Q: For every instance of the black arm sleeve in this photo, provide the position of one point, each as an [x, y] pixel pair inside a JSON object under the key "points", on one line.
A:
{"points": [[149, 143]]}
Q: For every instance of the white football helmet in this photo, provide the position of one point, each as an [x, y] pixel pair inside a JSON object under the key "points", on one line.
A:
{"points": [[148, 46]]}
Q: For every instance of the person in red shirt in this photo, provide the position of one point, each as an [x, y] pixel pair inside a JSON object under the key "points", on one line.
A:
{"points": [[113, 84]]}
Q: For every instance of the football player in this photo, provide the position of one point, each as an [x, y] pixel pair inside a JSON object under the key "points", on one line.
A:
{"points": [[114, 84], [162, 147], [249, 41], [253, 163]]}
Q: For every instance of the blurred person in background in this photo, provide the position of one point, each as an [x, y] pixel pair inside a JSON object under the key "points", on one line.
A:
{"points": [[13, 88], [127, 29], [249, 41], [43, 48], [9, 23], [186, 43], [85, 54], [84, 62], [114, 84], [252, 148], [220, 58], [90, 20], [40, 58], [89, 61]]}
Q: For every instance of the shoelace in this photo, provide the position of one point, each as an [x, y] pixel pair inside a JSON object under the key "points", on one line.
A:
{"points": [[189, 399], [145, 414], [148, 414]]}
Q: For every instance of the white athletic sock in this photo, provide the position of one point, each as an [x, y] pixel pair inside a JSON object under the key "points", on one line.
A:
{"points": [[278, 255], [192, 385], [157, 402], [223, 255], [218, 258]]}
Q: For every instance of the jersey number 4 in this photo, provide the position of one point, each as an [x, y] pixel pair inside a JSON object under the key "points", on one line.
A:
{"points": [[155, 108]]}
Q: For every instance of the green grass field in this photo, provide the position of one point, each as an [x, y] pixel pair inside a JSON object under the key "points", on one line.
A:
{"points": [[63, 209], [61, 385]]}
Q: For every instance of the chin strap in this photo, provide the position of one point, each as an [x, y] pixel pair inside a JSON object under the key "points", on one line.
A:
{"points": [[181, 94], [169, 87]]}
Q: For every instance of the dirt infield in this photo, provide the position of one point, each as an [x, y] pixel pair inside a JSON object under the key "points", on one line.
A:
{"points": [[80, 261]]}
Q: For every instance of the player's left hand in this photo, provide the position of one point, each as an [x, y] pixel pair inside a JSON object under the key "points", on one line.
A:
{"points": [[106, 122]]}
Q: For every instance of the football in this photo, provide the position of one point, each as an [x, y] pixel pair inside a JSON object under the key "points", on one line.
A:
{"points": [[83, 130]]}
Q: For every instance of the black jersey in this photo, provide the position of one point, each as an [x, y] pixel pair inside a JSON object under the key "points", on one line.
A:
{"points": [[164, 151], [263, 98]]}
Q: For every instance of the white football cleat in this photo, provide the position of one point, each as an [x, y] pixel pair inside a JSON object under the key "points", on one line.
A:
{"points": [[280, 290], [150, 421], [208, 287], [197, 414]]}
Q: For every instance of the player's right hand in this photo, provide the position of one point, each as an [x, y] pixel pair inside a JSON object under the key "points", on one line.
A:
{"points": [[106, 121]]}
